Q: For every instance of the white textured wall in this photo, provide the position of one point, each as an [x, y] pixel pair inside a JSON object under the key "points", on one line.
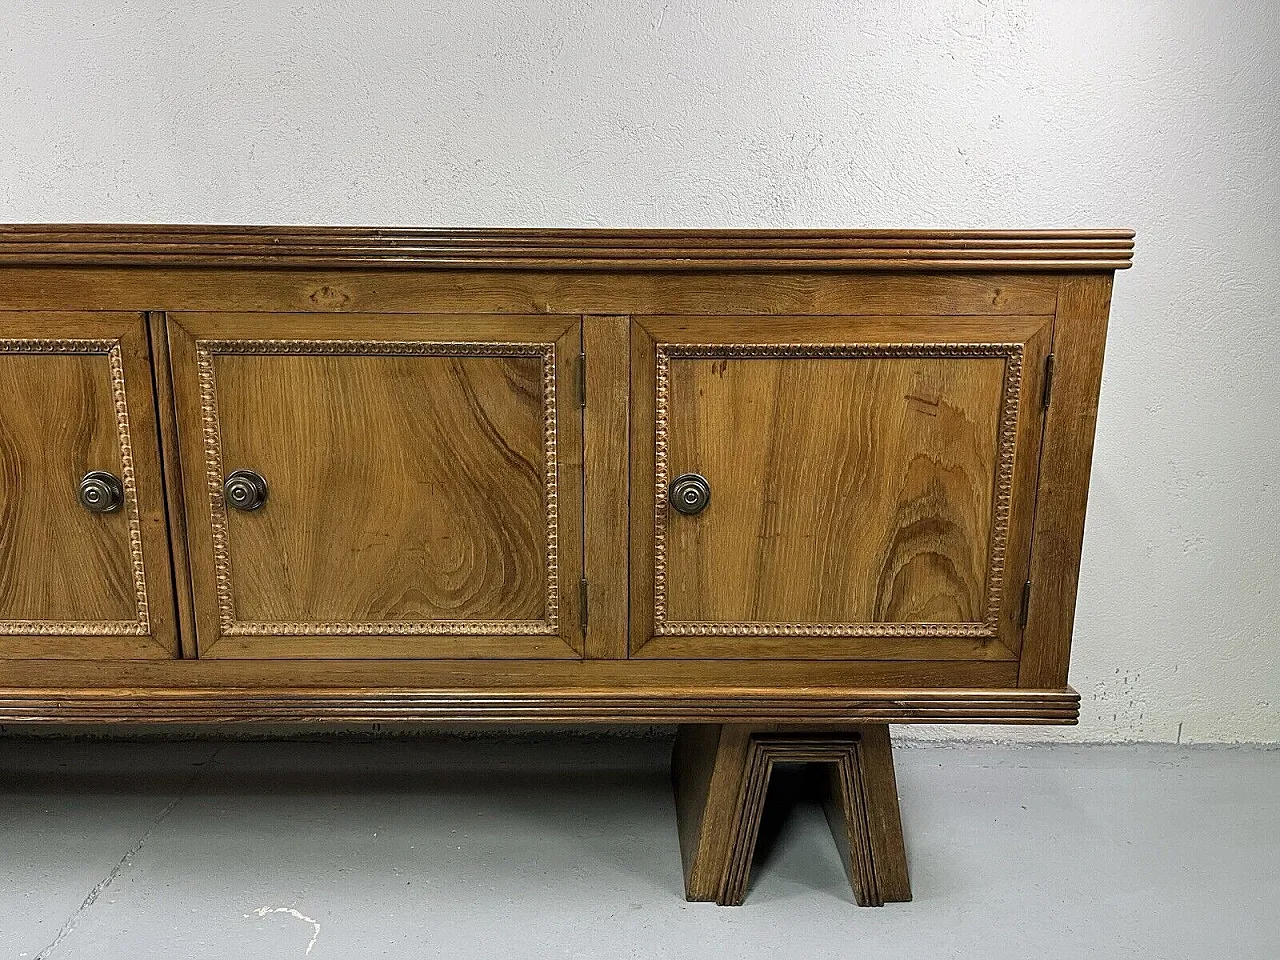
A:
{"points": [[1164, 117]]}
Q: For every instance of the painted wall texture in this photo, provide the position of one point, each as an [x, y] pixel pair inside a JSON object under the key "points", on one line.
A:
{"points": [[1161, 116]]}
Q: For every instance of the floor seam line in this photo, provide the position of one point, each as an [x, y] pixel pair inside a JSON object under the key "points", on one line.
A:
{"points": [[115, 873]]}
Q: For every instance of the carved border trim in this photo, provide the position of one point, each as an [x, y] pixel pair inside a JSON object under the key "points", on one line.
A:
{"points": [[231, 627], [141, 626], [45, 345], [988, 628]]}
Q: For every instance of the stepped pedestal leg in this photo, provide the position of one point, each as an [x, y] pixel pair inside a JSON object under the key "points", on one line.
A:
{"points": [[721, 776]]}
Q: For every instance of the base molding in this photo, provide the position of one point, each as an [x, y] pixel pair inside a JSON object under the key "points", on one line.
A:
{"points": [[602, 705]]}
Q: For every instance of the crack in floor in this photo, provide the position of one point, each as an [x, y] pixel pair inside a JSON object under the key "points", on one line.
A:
{"points": [[101, 886]]}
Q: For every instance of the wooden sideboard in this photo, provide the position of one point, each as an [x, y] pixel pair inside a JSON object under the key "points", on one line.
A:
{"points": [[783, 488]]}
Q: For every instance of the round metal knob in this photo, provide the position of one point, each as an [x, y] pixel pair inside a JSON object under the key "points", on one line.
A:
{"points": [[101, 492], [245, 490], [689, 493]]}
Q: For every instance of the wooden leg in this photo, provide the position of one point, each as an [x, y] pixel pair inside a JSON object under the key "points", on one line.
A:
{"points": [[862, 811], [721, 776], [707, 771]]}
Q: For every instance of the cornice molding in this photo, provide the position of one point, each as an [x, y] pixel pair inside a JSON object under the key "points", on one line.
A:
{"points": [[552, 249]]}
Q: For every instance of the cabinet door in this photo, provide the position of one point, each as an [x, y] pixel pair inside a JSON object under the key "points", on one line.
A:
{"points": [[871, 485], [84, 551], [422, 480]]}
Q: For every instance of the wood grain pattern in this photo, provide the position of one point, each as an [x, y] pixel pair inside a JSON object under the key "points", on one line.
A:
{"points": [[414, 491], [73, 582], [853, 488], [402, 446], [1079, 338], [744, 288], [863, 492], [362, 293], [506, 248], [59, 416], [607, 481], [708, 767], [763, 678], [861, 805], [863, 800]]}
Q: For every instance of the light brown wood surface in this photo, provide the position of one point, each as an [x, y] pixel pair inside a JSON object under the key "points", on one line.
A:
{"points": [[863, 812], [998, 678], [607, 482], [424, 488], [866, 492], [77, 397], [847, 491], [566, 249], [1080, 333], [708, 770], [171, 477], [860, 802], [866, 405], [721, 775], [356, 293]]}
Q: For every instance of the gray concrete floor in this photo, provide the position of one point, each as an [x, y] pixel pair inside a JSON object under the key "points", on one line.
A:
{"points": [[566, 848]]}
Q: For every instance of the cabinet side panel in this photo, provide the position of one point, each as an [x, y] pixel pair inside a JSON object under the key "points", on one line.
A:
{"points": [[1079, 338]]}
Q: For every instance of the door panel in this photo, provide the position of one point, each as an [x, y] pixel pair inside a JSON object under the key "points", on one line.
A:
{"points": [[78, 399], [870, 481], [423, 488]]}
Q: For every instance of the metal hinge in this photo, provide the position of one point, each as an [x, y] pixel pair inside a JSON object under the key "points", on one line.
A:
{"points": [[582, 601], [582, 378], [1048, 382], [1024, 607]]}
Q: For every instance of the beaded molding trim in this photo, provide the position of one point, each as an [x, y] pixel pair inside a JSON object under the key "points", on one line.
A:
{"points": [[231, 627], [141, 625], [989, 627]]}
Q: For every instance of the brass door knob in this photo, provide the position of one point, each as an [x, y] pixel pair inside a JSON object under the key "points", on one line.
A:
{"points": [[101, 492], [245, 490], [689, 493]]}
